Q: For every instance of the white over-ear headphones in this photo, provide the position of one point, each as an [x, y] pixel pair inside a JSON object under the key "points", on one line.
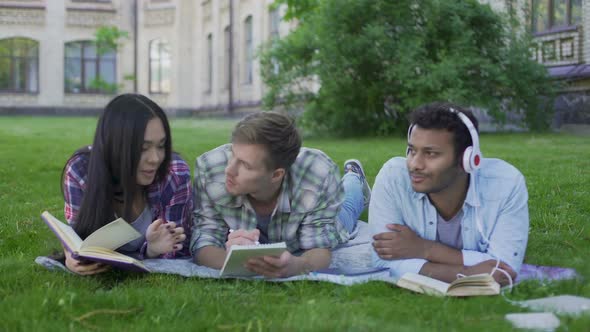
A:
{"points": [[471, 157]]}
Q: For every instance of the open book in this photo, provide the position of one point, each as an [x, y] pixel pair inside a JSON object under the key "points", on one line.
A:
{"points": [[474, 285], [99, 246], [239, 254]]}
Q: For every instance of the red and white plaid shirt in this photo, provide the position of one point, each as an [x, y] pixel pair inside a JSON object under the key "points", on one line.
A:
{"points": [[173, 195]]}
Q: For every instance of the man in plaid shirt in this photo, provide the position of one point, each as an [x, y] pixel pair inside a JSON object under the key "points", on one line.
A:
{"points": [[263, 187]]}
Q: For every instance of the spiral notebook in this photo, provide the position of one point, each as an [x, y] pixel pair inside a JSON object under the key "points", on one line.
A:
{"points": [[239, 254]]}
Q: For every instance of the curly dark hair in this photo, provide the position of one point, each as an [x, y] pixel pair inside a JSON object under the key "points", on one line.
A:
{"points": [[436, 115]]}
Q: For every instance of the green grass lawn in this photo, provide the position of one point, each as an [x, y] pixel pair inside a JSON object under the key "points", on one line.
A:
{"points": [[34, 150]]}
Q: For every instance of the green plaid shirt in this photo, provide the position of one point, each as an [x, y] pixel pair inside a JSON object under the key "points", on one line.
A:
{"points": [[307, 207]]}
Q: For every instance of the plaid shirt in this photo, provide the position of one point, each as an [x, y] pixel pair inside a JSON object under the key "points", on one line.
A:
{"points": [[307, 207], [173, 195]]}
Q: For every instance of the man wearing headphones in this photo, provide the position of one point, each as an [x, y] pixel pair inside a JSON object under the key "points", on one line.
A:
{"points": [[444, 211]]}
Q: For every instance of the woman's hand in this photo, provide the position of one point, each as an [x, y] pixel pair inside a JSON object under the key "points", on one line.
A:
{"points": [[83, 268], [163, 238]]}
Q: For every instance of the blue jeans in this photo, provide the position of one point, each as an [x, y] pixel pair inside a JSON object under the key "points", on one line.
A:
{"points": [[353, 204]]}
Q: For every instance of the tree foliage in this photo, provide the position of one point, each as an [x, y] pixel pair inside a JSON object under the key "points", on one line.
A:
{"points": [[297, 9], [107, 38], [376, 60]]}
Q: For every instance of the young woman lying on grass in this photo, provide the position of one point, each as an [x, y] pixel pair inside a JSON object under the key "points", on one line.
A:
{"points": [[131, 172]]}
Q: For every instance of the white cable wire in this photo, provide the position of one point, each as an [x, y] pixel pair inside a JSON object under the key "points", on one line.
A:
{"points": [[496, 268]]}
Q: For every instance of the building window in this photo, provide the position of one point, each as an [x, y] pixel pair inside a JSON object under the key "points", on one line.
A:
{"points": [[275, 20], [159, 66], [226, 57], [87, 71], [248, 50], [19, 65], [550, 14], [209, 64]]}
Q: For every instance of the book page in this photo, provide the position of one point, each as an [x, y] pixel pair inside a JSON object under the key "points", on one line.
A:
{"points": [[112, 235], [478, 284], [481, 279], [63, 231], [239, 254], [423, 284]]}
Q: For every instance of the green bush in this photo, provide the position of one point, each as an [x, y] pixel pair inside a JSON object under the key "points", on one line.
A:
{"points": [[376, 60]]}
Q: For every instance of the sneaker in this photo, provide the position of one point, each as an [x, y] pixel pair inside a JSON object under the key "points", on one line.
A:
{"points": [[355, 166]]}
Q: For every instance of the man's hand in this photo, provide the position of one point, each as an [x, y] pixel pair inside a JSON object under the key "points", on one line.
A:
{"points": [[163, 237], [243, 237], [84, 268], [487, 267], [283, 266], [400, 243]]}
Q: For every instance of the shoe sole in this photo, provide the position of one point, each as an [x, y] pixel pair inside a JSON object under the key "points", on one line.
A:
{"points": [[366, 186]]}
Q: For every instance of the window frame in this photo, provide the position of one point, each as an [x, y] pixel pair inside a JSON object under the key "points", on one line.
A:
{"points": [[26, 61], [550, 14], [98, 59], [226, 57], [274, 18], [274, 34], [248, 50], [209, 63], [161, 56]]}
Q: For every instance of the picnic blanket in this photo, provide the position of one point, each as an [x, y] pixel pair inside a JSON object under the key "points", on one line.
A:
{"points": [[356, 253]]}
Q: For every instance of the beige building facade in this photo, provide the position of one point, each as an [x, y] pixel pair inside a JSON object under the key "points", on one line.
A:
{"points": [[200, 55], [187, 55], [561, 31]]}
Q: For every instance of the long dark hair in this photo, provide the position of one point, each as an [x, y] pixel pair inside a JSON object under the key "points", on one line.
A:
{"points": [[114, 158]]}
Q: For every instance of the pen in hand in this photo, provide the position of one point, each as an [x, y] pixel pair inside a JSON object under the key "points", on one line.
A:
{"points": [[231, 231]]}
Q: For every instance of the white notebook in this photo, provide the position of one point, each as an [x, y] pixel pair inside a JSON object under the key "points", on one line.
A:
{"points": [[239, 254]]}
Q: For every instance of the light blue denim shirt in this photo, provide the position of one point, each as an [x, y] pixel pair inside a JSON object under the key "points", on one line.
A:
{"points": [[495, 221]]}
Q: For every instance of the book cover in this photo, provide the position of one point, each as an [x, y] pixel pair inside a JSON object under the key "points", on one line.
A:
{"points": [[238, 255], [99, 246], [473, 285]]}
